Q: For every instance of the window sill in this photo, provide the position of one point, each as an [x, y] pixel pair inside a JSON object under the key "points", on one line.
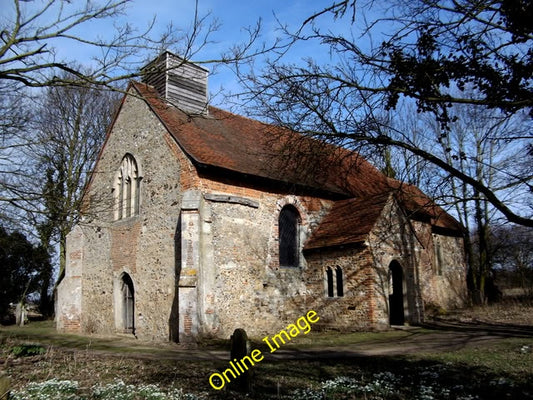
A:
{"points": [[126, 221]]}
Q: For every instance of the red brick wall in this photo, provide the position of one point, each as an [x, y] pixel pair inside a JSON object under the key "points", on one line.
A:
{"points": [[355, 310], [124, 241]]}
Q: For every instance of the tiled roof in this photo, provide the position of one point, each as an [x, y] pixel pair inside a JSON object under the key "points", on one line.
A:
{"points": [[419, 205], [232, 142], [349, 221], [235, 143]]}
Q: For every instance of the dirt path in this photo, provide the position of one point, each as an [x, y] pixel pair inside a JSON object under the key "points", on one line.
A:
{"points": [[437, 337], [440, 336], [444, 338]]}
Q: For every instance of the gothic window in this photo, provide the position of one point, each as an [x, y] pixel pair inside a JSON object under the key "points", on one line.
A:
{"points": [[127, 189], [334, 282], [288, 224]]}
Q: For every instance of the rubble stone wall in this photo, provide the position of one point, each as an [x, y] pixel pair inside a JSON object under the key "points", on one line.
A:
{"points": [[203, 253], [143, 246]]}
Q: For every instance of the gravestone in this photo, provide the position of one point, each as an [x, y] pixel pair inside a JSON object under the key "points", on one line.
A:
{"points": [[239, 349]]}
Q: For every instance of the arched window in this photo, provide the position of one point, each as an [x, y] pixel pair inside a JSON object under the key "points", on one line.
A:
{"points": [[334, 284], [127, 189], [289, 220], [329, 278], [340, 284]]}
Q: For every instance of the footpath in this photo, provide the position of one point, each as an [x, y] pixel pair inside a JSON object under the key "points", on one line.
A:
{"points": [[438, 336], [431, 338]]}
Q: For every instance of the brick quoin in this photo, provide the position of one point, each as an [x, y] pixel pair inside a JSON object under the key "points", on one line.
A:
{"points": [[71, 325]]}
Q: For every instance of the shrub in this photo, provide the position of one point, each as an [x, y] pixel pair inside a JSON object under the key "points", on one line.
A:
{"points": [[27, 350]]}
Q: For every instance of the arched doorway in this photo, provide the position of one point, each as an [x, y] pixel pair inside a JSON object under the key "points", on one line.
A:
{"points": [[396, 308], [128, 304]]}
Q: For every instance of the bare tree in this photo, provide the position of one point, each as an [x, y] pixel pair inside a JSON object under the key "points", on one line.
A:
{"points": [[31, 36], [16, 113], [407, 167], [476, 137], [30, 33], [51, 141], [474, 143], [513, 253], [435, 54], [69, 132]]}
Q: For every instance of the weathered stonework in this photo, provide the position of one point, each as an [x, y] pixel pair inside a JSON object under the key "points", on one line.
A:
{"points": [[142, 246], [69, 294], [354, 310], [202, 254]]}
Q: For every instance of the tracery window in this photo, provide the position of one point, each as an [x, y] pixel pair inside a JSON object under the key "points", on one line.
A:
{"points": [[288, 226], [127, 189], [334, 282]]}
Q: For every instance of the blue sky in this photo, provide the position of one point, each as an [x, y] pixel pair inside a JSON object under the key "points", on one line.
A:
{"points": [[233, 16]]}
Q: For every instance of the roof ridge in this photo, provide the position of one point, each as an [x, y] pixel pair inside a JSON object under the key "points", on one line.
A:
{"points": [[228, 141]]}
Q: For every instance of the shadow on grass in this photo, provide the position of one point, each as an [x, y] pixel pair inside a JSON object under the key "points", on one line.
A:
{"points": [[383, 377], [45, 333], [475, 368], [409, 379], [502, 330]]}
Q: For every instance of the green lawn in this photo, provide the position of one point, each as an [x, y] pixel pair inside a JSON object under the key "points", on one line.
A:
{"points": [[498, 369]]}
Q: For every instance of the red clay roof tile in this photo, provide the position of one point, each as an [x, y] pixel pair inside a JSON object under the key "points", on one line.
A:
{"points": [[225, 140], [239, 144], [349, 221]]}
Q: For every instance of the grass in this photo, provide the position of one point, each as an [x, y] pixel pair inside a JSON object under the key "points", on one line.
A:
{"points": [[500, 368], [509, 360], [512, 357], [45, 333]]}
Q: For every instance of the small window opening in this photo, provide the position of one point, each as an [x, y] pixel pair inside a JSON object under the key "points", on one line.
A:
{"points": [[439, 257], [340, 287], [329, 277], [335, 284], [288, 225]]}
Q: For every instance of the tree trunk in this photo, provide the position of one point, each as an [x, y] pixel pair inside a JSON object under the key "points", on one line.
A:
{"points": [[20, 314]]}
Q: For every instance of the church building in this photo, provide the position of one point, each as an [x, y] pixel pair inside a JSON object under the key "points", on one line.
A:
{"points": [[198, 221]]}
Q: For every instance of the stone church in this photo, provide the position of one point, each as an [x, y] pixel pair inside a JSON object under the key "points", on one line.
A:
{"points": [[197, 221]]}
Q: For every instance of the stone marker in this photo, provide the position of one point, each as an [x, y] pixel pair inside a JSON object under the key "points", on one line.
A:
{"points": [[239, 349]]}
